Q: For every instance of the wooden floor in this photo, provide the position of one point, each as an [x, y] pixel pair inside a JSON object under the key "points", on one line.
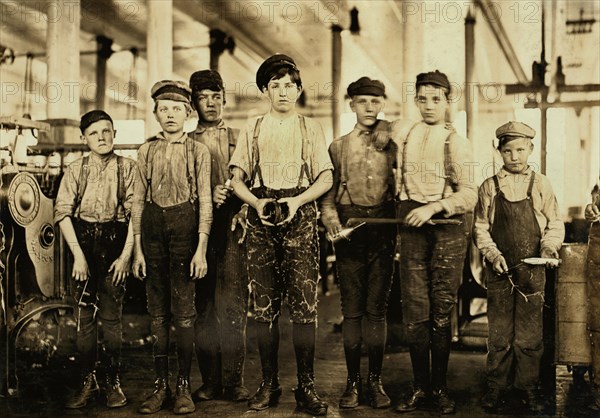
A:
{"points": [[43, 389]]}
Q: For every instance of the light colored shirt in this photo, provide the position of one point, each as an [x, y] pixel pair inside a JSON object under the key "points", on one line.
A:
{"points": [[514, 187], [368, 174], [216, 139], [422, 175], [280, 151], [169, 166], [100, 198]]}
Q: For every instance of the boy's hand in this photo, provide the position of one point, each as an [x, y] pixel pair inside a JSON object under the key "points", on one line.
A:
{"points": [[120, 268], [198, 266], [260, 207], [80, 272], [240, 219], [333, 229], [139, 265], [421, 215], [221, 193], [499, 265], [592, 213], [550, 253], [293, 205]]}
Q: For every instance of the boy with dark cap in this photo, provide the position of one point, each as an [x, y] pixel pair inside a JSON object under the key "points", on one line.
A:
{"points": [[172, 216], [363, 187], [284, 158], [516, 217], [92, 208], [222, 297], [592, 214], [434, 182]]}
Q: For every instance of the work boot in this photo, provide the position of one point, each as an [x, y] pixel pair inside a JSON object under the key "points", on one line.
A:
{"points": [[443, 402], [307, 399], [236, 393], [89, 388], [267, 395], [377, 397], [492, 399], [115, 397], [351, 396], [417, 399], [157, 399], [183, 397], [207, 392]]}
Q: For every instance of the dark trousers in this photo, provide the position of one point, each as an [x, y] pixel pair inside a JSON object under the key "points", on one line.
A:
{"points": [[169, 240], [593, 289], [515, 343], [222, 302], [101, 243]]}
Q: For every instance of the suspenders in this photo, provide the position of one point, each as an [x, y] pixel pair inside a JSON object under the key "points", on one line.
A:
{"points": [[529, 189]]}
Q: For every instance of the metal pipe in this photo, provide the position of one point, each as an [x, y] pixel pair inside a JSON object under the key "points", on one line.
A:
{"points": [[471, 90], [336, 77]]}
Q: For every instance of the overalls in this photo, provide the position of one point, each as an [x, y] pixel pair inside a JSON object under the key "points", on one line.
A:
{"points": [[101, 243], [515, 321], [283, 260], [169, 240]]}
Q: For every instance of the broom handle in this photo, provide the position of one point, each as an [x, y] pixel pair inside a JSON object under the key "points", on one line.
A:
{"points": [[355, 221]]}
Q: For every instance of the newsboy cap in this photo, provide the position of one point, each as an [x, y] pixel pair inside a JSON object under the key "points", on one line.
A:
{"points": [[270, 66], [434, 78], [206, 80], [367, 87], [515, 129], [174, 90], [93, 116]]}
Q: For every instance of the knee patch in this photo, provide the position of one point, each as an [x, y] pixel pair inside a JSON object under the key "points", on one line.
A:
{"points": [[184, 322]]}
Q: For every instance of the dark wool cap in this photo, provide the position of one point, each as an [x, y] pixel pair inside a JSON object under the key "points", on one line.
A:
{"points": [[93, 116], [206, 80], [513, 130], [366, 86], [270, 66], [171, 90], [434, 78]]}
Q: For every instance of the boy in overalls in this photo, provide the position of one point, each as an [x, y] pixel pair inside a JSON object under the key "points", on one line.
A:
{"points": [[284, 158], [363, 187], [516, 217], [172, 216], [92, 208]]}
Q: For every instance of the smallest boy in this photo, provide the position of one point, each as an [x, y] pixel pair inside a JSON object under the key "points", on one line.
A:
{"points": [[516, 217]]}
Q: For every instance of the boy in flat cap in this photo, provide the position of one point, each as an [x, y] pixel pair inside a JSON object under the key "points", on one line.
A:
{"points": [[516, 217], [93, 208], [592, 214], [284, 158], [434, 182], [363, 187], [172, 216], [223, 293]]}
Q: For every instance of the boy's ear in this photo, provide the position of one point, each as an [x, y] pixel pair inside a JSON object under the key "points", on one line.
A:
{"points": [[83, 139]]}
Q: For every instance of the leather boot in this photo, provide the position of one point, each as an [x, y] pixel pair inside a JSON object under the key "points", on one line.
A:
{"points": [[307, 399], [351, 396], [183, 397], [89, 388], [378, 399], [162, 392], [267, 395], [419, 357], [115, 397], [210, 369]]}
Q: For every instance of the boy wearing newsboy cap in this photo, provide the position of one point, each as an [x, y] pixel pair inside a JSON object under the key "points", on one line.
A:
{"points": [[172, 216], [516, 217]]}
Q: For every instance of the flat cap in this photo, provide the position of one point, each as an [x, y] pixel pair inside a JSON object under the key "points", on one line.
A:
{"points": [[93, 116], [515, 129], [366, 86], [434, 78], [206, 80], [270, 66], [174, 90]]}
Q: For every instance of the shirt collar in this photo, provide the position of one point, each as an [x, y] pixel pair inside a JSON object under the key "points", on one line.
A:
{"points": [[201, 128], [161, 136], [96, 159], [504, 173]]}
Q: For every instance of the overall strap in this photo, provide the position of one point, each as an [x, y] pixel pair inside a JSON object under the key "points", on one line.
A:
{"points": [[449, 172], [305, 142], [256, 155], [149, 158], [120, 186], [344, 171], [190, 168], [530, 188], [403, 168], [82, 183], [392, 159], [496, 184]]}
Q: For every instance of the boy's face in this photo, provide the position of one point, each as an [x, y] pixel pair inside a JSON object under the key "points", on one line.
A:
{"points": [[515, 154], [283, 94], [432, 104], [366, 109], [171, 115], [209, 105], [99, 137]]}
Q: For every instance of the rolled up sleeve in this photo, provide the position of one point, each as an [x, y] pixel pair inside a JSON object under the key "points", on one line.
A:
{"points": [[139, 189], [483, 222], [67, 192], [464, 197], [203, 169], [329, 214]]}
